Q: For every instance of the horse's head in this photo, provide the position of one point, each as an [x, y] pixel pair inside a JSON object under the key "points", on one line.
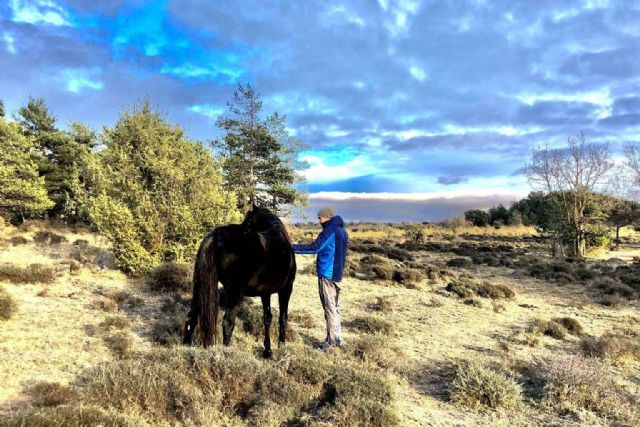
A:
{"points": [[254, 215]]}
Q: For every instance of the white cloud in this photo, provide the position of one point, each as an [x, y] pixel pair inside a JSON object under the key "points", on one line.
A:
{"points": [[10, 42], [207, 110], [418, 73], [601, 97], [319, 171], [77, 79], [483, 192], [39, 12]]}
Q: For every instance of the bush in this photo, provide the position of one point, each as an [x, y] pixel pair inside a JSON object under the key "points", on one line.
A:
{"points": [[610, 286], [466, 287], [116, 322], [167, 331], [382, 304], [33, 273], [408, 276], [549, 328], [8, 306], [371, 324], [126, 299], [70, 416], [51, 394], [572, 326], [44, 237], [171, 277], [18, 240], [475, 385], [119, 343], [104, 304], [617, 348], [460, 263], [574, 384], [413, 232], [302, 318], [356, 397]]}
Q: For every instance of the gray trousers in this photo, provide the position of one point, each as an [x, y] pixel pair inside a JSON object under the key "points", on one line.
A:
{"points": [[329, 295]]}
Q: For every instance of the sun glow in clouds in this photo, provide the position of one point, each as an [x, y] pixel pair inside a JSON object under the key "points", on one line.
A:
{"points": [[39, 12], [77, 79]]}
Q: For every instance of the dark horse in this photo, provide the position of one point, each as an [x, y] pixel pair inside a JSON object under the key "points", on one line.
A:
{"points": [[252, 259]]}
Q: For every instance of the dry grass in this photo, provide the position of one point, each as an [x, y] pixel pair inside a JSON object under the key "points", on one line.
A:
{"points": [[371, 324], [473, 384], [32, 273], [465, 287], [366, 382], [8, 305], [619, 349]]}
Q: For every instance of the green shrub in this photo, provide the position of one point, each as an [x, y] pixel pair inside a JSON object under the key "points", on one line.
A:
{"points": [[171, 277], [8, 306], [474, 385], [371, 324], [413, 232]]}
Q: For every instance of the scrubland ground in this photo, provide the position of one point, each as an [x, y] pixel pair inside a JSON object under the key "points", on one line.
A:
{"points": [[472, 327]]}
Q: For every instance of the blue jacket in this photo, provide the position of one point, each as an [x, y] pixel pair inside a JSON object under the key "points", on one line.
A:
{"points": [[331, 247]]}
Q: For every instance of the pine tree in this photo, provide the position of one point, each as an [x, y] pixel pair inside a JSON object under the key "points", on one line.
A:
{"points": [[22, 190], [259, 156], [61, 154], [1, 108]]}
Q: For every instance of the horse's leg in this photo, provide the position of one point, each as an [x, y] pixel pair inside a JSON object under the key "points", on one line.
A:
{"points": [[266, 318], [229, 319], [283, 300]]}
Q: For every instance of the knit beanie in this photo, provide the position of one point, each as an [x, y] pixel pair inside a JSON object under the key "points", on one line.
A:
{"points": [[326, 211]]}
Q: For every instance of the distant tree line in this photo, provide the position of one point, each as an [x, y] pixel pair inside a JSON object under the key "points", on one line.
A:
{"points": [[583, 198], [142, 182]]}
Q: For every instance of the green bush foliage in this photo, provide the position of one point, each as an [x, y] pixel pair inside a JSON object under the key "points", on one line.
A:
{"points": [[22, 189], [153, 193]]}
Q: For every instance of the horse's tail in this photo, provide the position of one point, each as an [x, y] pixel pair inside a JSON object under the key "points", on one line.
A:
{"points": [[205, 290]]}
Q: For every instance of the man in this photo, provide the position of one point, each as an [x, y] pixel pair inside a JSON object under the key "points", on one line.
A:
{"points": [[331, 247]]}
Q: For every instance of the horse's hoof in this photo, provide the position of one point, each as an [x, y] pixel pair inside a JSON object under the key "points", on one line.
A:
{"points": [[266, 354]]}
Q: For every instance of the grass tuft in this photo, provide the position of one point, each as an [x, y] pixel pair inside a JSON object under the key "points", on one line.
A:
{"points": [[474, 385], [171, 277], [8, 306], [371, 324]]}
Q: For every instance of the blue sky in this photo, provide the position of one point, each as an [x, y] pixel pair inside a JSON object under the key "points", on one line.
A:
{"points": [[413, 110]]}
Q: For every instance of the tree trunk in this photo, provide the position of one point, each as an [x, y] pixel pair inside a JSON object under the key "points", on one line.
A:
{"points": [[617, 235]]}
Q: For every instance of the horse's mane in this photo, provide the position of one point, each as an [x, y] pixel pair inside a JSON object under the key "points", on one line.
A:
{"points": [[262, 219]]}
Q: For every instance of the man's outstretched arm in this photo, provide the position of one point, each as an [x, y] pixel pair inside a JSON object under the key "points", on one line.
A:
{"points": [[312, 248]]}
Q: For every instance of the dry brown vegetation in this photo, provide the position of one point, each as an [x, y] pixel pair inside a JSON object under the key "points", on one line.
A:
{"points": [[507, 336]]}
